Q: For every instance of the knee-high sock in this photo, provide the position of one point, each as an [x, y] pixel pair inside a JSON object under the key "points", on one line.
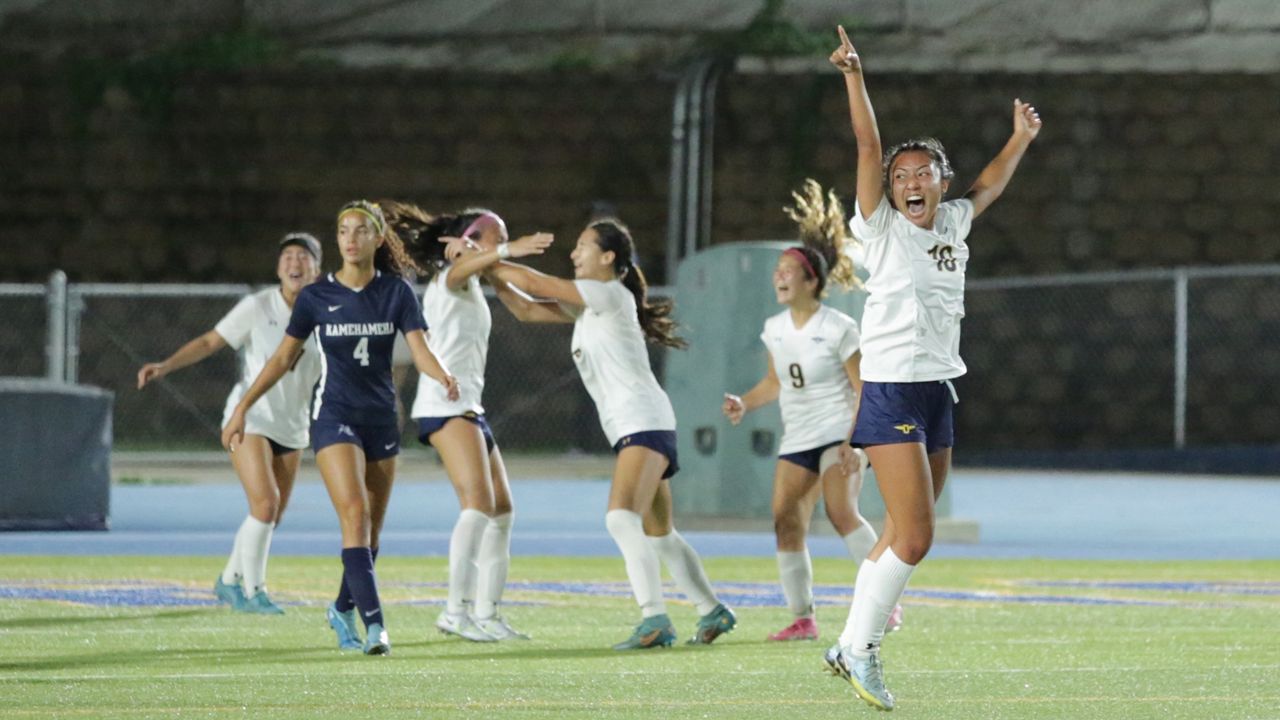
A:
{"points": [[627, 530], [345, 602], [464, 545], [255, 544], [685, 566], [795, 570], [231, 574], [880, 589], [492, 563], [357, 566], [860, 542]]}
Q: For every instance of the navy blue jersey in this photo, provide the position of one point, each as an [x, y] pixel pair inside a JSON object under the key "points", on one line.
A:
{"points": [[355, 331]]}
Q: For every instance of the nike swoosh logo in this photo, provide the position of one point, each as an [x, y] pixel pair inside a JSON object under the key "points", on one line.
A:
{"points": [[372, 612], [648, 640], [334, 307], [388, 447]]}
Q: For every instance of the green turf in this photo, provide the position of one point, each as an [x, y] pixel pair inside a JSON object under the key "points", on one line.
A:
{"points": [[1203, 655]]}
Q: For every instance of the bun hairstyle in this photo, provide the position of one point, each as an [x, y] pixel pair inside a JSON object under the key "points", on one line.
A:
{"points": [[655, 318], [824, 232], [391, 256], [420, 231]]}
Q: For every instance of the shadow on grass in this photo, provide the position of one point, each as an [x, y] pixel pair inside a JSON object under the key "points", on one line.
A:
{"points": [[55, 621]]}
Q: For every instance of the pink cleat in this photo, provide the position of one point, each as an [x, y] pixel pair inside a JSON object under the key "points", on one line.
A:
{"points": [[895, 620], [802, 629]]}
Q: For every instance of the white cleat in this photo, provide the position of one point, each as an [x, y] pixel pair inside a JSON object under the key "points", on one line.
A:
{"points": [[499, 629], [463, 626]]}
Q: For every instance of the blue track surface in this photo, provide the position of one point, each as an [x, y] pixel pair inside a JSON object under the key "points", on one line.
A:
{"points": [[1020, 514]]}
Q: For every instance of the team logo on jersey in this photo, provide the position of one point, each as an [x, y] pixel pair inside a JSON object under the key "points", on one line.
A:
{"points": [[906, 428], [334, 307], [818, 339], [346, 430]]}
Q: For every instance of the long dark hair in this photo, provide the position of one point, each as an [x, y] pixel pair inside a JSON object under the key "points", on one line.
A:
{"points": [[930, 146], [421, 231], [655, 318], [391, 257], [824, 232]]}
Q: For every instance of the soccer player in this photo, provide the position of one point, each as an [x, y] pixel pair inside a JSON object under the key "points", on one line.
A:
{"points": [[276, 430], [914, 249], [454, 249], [612, 319], [813, 374], [353, 315]]}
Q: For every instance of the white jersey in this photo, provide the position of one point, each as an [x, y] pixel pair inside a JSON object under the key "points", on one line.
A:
{"points": [[459, 322], [815, 395], [609, 350], [255, 327], [911, 322]]}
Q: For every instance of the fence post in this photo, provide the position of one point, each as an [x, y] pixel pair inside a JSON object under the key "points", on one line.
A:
{"points": [[56, 332], [75, 310], [1180, 359]]}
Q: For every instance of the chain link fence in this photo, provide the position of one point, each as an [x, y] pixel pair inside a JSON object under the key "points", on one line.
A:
{"points": [[1122, 361]]}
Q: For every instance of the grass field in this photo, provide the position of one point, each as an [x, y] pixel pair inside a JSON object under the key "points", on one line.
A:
{"points": [[130, 637]]}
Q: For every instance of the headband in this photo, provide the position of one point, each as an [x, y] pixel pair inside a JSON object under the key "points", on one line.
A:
{"points": [[486, 215], [377, 221], [799, 255]]}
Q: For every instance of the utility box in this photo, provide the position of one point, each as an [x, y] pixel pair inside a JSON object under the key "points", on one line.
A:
{"points": [[723, 296], [55, 455]]}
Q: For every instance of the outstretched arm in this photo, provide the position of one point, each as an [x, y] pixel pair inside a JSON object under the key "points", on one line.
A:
{"points": [[996, 175], [539, 284], [189, 354], [469, 265], [865, 129], [281, 361], [526, 308], [765, 392]]}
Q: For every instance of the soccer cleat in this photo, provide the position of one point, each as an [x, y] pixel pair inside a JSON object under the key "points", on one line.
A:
{"points": [[344, 624], [895, 620], [653, 631], [377, 643], [463, 626], [232, 595], [802, 629], [714, 624], [261, 605], [866, 675], [499, 629]]}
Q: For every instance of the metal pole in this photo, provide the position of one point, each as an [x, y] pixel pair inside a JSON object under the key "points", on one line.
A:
{"points": [[75, 309], [1180, 359], [675, 190], [56, 333]]}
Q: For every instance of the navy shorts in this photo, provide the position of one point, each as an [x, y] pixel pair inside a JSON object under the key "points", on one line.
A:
{"points": [[661, 441], [914, 412], [810, 460], [378, 441], [429, 426]]}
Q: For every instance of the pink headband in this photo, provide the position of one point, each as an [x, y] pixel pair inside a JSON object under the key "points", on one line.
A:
{"points": [[803, 260], [486, 215]]}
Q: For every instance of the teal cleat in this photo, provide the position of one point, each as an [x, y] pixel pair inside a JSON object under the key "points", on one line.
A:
{"points": [[377, 643], [719, 621], [655, 631], [866, 675], [232, 595], [261, 604], [344, 624]]}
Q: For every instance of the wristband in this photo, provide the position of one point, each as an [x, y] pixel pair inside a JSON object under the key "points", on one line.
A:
{"points": [[504, 251]]}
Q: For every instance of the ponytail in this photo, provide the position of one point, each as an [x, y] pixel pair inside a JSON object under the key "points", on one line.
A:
{"points": [[655, 318], [391, 257], [824, 233]]}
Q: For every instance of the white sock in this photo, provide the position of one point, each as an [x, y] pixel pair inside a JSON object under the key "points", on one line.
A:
{"points": [[492, 562], [863, 580], [464, 545], [882, 589], [255, 544], [627, 530], [685, 566], [795, 570], [861, 541], [231, 574]]}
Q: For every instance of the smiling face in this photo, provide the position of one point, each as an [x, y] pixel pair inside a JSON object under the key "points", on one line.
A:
{"points": [[358, 238], [917, 186], [296, 269], [791, 282], [589, 261]]}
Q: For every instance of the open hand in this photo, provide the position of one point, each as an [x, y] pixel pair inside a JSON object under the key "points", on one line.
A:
{"points": [[1026, 121], [534, 244], [845, 57]]}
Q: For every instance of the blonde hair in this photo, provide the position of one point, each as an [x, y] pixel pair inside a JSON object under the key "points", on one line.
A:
{"points": [[824, 233]]}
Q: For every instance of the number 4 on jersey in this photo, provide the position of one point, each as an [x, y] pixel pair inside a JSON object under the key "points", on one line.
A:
{"points": [[362, 352]]}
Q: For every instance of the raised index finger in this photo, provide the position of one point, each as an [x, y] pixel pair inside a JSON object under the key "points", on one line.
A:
{"points": [[844, 38]]}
